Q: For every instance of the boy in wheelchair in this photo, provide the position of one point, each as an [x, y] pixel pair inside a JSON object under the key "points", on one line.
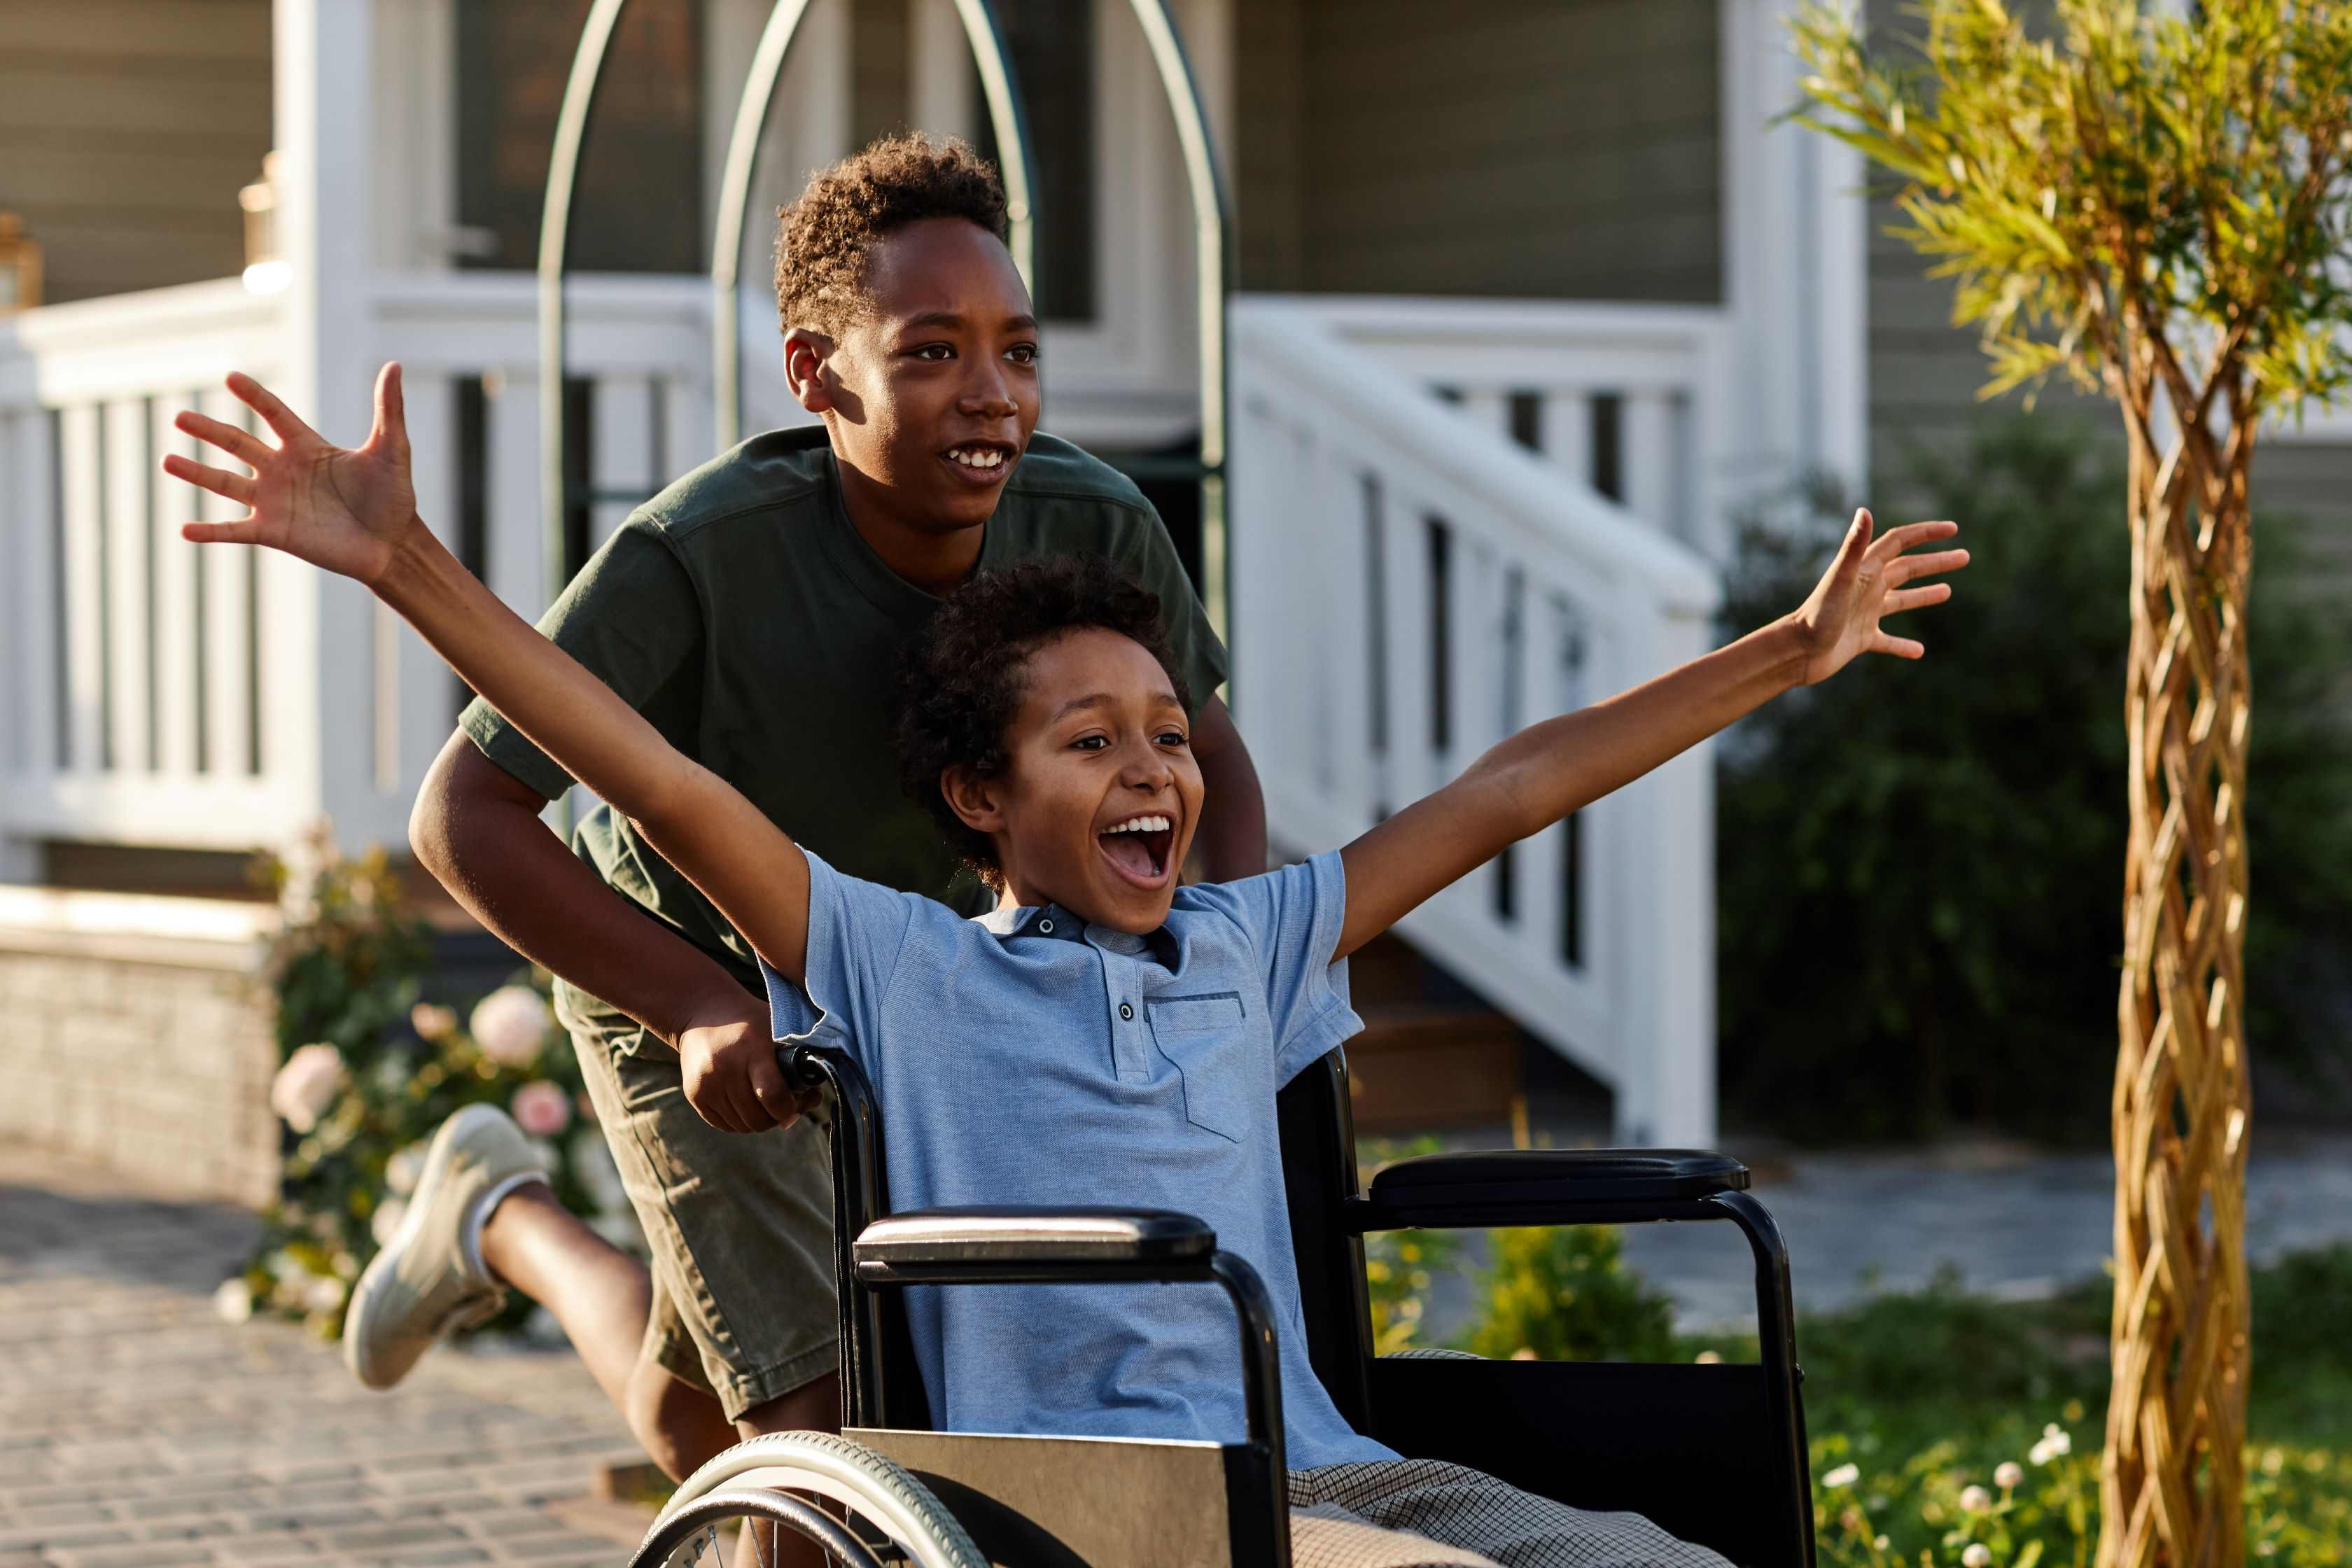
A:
{"points": [[1105, 1033]]}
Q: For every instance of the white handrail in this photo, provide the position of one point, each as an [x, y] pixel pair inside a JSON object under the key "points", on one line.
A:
{"points": [[1480, 461], [1410, 585]]}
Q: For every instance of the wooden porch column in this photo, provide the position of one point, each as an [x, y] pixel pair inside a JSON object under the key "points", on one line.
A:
{"points": [[1796, 272], [319, 633]]}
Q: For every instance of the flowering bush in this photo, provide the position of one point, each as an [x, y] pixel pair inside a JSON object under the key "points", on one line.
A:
{"points": [[1936, 1508], [371, 1068]]}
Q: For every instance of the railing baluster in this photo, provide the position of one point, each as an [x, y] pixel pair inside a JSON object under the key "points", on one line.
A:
{"points": [[129, 542], [29, 601], [1491, 406], [620, 451], [1405, 585], [1648, 461], [1566, 428], [510, 556], [1536, 888], [227, 628], [176, 660], [430, 695], [84, 523], [689, 439]]}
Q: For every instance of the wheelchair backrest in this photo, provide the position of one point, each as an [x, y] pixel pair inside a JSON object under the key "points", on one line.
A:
{"points": [[882, 1382]]}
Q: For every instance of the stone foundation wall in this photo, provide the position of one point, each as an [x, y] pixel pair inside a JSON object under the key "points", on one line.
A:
{"points": [[135, 1033]]}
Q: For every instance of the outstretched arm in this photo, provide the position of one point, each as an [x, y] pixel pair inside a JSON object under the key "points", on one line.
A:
{"points": [[353, 512], [1548, 771]]}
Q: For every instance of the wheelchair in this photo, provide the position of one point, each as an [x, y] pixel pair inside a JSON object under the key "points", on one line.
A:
{"points": [[1714, 1453]]}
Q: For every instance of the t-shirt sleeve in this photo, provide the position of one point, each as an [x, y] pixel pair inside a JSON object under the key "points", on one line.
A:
{"points": [[857, 929], [1292, 919], [633, 618], [1150, 560]]}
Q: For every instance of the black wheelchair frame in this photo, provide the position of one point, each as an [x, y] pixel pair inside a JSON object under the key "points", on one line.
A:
{"points": [[1714, 1453]]}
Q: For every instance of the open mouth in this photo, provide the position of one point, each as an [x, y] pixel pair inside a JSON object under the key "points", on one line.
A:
{"points": [[1138, 848], [982, 461]]}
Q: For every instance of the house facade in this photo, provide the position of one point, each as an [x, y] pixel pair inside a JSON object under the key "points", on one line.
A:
{"points": [[1530, 295]]}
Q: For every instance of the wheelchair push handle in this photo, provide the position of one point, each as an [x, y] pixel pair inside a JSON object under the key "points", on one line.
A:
{"points": [[800, 1072]]}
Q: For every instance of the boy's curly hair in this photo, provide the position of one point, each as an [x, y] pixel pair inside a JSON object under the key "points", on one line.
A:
{"points": [[824, 238], [960, 681]]}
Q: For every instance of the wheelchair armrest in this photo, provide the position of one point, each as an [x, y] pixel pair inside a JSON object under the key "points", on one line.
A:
{"points": [[1545, 1186], [994, 1245], [1021, 1238]]}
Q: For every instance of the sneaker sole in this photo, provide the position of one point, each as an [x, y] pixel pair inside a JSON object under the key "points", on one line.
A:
{"points": [[385, 1264]]}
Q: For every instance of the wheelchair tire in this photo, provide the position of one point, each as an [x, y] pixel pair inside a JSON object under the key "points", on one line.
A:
{"points": [[779, 1475]]}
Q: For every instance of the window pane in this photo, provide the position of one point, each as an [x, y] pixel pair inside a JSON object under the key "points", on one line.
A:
{"points": [[639, 205]]}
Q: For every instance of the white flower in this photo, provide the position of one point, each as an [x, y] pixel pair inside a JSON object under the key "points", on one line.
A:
{"points": [[2054, 1442], [405, 1169], [2010, 1475], [1975, 1499], [386, 1219], [1977, 1555], [233, 1301], [1843, 1476], [306, 1085], [323, 1294], [432, 1022], [510, 1025], [541, 1109]]}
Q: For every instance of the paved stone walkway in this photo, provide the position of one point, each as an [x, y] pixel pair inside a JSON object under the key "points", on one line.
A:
{"points": [[138, 1427], [2010, 1222]]}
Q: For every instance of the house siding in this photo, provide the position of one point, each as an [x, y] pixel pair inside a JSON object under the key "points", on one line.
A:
{"points": [[126, 130], [1523, 148]]}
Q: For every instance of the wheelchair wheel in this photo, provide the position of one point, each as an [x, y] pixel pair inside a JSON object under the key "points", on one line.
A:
{"points": [[862, 1509]]}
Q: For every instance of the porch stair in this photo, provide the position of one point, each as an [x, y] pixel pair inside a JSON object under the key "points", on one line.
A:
{"points": [[1452, 520]]}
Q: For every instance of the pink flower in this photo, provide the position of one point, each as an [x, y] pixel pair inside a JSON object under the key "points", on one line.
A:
{"points": [[306, 1085], [432, 1022], [541, 1109], [510, 1025]]}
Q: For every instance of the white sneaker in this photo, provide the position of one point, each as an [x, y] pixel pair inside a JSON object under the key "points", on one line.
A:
{"points": [[429, 1280]]}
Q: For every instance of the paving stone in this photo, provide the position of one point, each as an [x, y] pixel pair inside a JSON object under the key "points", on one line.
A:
{"points": [[415, 1534], [136, 1426], [62, 1535], [510, 1522], [535, 1547]]}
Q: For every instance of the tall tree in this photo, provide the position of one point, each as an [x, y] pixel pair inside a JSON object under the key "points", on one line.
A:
{"points": [[2155, 204]]}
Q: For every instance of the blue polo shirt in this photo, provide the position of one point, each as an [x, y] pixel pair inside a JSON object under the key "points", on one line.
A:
{"points": [[1027, 1056]]}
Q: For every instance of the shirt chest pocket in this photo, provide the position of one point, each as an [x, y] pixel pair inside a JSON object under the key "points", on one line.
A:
{"points": [[1206, 1039]]}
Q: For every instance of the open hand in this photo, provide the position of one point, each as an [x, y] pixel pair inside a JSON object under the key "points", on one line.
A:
{"points": [[346, 510], [1866, 584]]}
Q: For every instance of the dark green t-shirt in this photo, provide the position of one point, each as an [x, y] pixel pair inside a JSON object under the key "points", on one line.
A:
{"points": [[740, 612]]}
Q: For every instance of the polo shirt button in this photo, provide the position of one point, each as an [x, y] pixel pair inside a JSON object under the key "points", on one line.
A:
{"points": [[1046, 927], [1126, 1011]]}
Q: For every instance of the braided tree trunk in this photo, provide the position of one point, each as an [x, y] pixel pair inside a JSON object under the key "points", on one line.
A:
{"points": [[2172, 1482]]}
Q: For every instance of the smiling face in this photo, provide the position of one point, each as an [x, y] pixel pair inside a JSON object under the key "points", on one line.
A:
{"points": [[1099, 798], [930, 392]]}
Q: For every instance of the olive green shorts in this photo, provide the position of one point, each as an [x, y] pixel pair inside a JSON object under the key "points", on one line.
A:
{"points": [[740, 1224]]}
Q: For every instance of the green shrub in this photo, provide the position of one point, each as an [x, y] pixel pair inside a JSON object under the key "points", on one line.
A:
{"points": [[1566, 1295], [1919, 864]]}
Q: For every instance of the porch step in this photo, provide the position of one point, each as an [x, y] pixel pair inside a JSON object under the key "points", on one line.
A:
{"points": [[1420, 1066]]}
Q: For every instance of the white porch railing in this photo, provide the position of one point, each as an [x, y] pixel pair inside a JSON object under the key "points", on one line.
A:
{"points": [[156, 693], [1410, 585], [1627, 398]]}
